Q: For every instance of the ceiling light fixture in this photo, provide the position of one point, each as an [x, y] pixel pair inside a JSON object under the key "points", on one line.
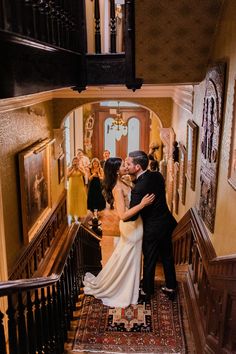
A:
{"points": [[118, 125]]}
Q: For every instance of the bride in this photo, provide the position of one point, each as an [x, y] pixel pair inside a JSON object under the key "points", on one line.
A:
{"points": [[117, 285]]}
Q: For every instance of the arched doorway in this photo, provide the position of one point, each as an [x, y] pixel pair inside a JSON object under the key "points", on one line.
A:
{"points": [[138, 124], [88, 127]]}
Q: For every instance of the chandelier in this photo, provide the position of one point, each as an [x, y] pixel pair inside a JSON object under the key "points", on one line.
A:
{"points": [[119, 126]]}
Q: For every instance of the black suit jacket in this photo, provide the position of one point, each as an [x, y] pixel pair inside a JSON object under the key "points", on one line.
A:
{"points": [[157, 219]]}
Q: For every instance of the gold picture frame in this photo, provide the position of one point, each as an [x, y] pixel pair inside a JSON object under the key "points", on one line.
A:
{"points": [[182, 173], [191, 156], [232, 158], [34, 172]]}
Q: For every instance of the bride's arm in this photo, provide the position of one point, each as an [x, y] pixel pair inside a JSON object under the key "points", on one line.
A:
{"points": [[125, 214]]}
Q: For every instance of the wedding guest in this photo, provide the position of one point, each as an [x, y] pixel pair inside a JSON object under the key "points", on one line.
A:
{"points": [[106, 156], [96, 201], [84, 162], [77, 196]]}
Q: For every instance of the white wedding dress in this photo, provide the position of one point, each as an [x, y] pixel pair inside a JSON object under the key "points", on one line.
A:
{"points": [[117, 285]]}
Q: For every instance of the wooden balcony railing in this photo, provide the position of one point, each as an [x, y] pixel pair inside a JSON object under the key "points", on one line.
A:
{"points": [[210, 287], [53, 22], [39, 310]]}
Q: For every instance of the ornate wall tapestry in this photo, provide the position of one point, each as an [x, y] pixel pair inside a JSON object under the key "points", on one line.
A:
{"points": [[210, 142], [191, 156], [182, 169], [232, 162]]}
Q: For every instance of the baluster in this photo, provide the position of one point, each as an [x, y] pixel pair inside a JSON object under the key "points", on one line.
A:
{"points": [[22, 335], [61, 324], [56, 319], [63, 41], [17, 16], [112, 26], [58, 23], [31, 324], [2, 335], [1, 15], [28, 18], [67, 44], [51, 320], [6, 15], [44, 305], [75, 267], [39, 324], [35, 19], [52, 21], [64, 305], [67, 297], [97, 27], [71, 289], [42, 22], [13, 346]]}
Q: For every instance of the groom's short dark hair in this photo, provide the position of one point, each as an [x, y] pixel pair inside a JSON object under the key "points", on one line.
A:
{"points": [[139, 158]]}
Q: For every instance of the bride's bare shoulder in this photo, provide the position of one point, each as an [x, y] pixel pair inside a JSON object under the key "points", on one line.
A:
{"points": [[118, 188]]}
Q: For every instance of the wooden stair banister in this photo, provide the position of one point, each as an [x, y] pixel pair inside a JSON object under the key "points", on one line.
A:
{"points": [[210, 286], [44, 305]]}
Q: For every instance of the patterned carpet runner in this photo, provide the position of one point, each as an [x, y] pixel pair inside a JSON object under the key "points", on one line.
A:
{"points": [[150, 328]]}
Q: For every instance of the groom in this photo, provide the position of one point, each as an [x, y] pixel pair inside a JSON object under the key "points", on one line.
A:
{"points": [[158, 225]]}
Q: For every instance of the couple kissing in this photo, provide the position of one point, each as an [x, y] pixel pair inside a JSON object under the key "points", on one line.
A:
{"points": [[146, 226]]}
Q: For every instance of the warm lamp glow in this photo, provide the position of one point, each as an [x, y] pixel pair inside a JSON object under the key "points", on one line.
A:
{"points": [[119, 125]]}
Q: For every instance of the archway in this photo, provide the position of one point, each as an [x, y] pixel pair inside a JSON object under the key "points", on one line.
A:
{"points": [[86, 127]]}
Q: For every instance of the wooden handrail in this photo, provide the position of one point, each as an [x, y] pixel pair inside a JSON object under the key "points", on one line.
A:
{"points": [[34, 303], [210, 286]]}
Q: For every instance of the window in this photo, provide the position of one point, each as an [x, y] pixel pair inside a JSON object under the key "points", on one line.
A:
{"points": [[133, 135], [109, 137]]}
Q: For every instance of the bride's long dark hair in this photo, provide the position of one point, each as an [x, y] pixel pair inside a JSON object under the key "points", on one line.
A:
{"points": [[111, 169]]}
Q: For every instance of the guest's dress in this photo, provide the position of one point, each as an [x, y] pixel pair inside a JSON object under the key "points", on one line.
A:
{"points": [[77, 196], [117, 285], [95, 197]]}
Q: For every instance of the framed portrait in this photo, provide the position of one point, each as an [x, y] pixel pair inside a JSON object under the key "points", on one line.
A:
{"points": [[191, 156], [182, 172], [61, 168], [232, 159], [35, 188]]}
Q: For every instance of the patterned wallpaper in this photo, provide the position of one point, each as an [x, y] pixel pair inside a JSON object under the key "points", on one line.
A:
{"points": [[174, 38]]}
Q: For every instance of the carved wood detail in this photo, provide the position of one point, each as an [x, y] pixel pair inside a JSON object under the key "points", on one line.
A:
{"points": [[210, 142], [36, 251], [210, 286], [167, 136]]}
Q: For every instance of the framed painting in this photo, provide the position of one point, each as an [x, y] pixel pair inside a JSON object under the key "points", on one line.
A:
{"points": [[191, 156], [61, 168], [182, 172], [232, 159], [35, 188]]}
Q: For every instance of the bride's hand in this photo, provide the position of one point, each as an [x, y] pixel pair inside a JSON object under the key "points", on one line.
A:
{"points": [[147, 199]]}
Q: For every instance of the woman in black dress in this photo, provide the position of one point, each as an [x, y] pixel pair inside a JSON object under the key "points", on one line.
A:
{"points": [[96, 200]]}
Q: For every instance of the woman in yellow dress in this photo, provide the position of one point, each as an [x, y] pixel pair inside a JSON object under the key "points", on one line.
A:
{"points": [[77, 195]]}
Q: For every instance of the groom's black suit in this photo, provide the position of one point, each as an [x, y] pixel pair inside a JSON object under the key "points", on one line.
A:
{"points": [[158, 225]]}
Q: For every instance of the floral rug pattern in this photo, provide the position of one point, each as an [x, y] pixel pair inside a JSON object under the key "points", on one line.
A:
{"points": [[154, 328]]}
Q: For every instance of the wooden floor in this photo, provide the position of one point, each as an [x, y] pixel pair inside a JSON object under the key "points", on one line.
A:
{"points": [[109, 240]]}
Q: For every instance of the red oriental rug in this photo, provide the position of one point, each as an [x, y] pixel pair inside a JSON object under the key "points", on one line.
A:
{"points": [[150, 328]]}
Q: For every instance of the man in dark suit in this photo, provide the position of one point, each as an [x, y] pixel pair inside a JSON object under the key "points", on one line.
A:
{"points": [[158, 225]]}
